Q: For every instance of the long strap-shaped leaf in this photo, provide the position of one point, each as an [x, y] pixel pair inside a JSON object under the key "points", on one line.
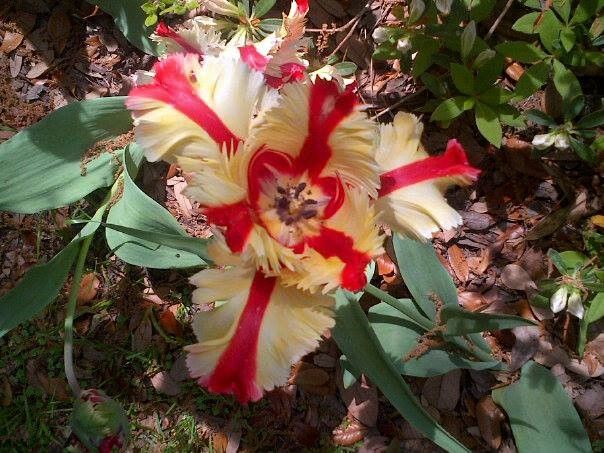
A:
{"points": [[358, 342]]}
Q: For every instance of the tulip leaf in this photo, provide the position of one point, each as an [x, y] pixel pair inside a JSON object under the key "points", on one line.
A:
{"points": [[362, 348], [130, 19], [542, 415], [41, 284], [43, 167], [462, 322], [398, 337], [135, 210]]}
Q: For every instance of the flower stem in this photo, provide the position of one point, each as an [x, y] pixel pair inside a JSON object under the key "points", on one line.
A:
{"points": [[69, 315]]}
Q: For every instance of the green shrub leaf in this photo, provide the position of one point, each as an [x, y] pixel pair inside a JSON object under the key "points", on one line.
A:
{"points": [[452, 108], [468, 36], [542, 415], [463, 79], [137, 211], [487, 122], [594, 119], [526, 24], [262, 7], [358, 342], [533, 78], [521, 51], [41, 167], [131, 20]]}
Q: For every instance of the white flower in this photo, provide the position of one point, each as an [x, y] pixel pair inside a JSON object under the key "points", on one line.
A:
{"points": [[558, 300], [403, 45], [574, 304], [543, 141], [380, 35], [562, 141]]}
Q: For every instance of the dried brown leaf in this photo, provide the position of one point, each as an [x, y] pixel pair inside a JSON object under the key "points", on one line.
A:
{"points": [[164, 383], [458, 263], [489, 417], [11, 41], [89, 287], [515, 277]]}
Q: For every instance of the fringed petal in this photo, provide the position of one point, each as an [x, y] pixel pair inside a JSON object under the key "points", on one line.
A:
{"points": [[247, 344], [193, 37], [195, 110], [412, 183]]}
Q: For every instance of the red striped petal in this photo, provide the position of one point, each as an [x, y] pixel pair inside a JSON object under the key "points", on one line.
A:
{"points": [[452, 163], [302, 6], [330, 243], [173, 85], [328, 107], [165, 31], [235, 372], [253, 58], [237, 220]]}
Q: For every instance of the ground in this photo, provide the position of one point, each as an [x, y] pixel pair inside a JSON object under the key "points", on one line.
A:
{"points": [[132, 323]]}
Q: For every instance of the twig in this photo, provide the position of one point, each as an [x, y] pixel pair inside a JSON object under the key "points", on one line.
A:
{"points": [[346, 38], [499, 18], [357, 16], [399, 103]]}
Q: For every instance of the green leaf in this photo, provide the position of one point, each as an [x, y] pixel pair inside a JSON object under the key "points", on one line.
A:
{"points": [[583, 151], [423, 274], [521, 51], [359, 343], [526, 24], [594, 119], [386, 51], [595, 311], [345, 68], [549, 30], [533, 78], [41, 166], [462, 322], [542, 415], [586, 9], [487, 122], [150, 20], [434, 84], [489, 73], [510, 116], [452, 108], [130, 19], [262, 7], [41, 284], [539, 117], [468, 36], [137, 211], [567, 38], [566, 82], [562, 7], [271, 24], [567, 262], [427, 47], [416, 10], [463, 79], [399, 337], [495, 96], [481, 9]]}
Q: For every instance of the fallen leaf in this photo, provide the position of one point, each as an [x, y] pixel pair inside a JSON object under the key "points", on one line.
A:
{"points": [[458, 263], [525, 345], [592, 401], [598, 220], [471, 300], [164, 383], [168, 321], [362, 401], [183, 202], [324, 360], [11, 41], [54, 387], [59, 27], [514, 71], [89, 287], [37, 70], [489, 417], [349, 434], [515, 277], [310, 375]]}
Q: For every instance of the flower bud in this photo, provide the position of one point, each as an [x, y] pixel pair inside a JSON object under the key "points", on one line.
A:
{"points": [[99, 422], [403, 45], [380, 35], [543, 141]]}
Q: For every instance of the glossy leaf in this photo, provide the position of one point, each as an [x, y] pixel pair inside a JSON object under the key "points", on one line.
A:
{"points": [[463, 79], [542, 415], [262, 7], [594, 119], [468, 36], [533, 78], [527, 23], [137, 211], [41, 167], [130, 19], [358, 342]]}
